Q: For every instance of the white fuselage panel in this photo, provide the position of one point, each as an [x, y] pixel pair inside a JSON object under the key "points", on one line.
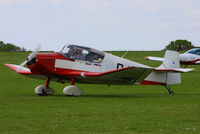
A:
{"points": [[110, 62]]}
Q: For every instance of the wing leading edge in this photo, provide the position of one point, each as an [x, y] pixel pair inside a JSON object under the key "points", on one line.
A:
{"points": [[127, 75], [19, 69]]}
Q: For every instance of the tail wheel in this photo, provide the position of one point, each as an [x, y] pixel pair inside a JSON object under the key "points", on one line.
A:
{"points": [[169, 89]]}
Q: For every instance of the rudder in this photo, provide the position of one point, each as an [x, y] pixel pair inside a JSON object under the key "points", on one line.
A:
{"points": [[171, 61]]}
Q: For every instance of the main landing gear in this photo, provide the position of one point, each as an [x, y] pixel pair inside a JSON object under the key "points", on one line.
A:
{"points": [[44, 90], [169, 89], [71, 90]]}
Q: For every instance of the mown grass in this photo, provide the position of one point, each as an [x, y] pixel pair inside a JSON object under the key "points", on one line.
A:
{"points": [[102, 109]]}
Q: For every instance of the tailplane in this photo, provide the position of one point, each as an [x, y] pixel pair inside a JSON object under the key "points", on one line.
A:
{"points": [[169, 72]]}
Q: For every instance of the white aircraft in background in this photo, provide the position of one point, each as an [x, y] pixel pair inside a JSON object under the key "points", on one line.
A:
{"points": [[191, 57], [87, 65]]}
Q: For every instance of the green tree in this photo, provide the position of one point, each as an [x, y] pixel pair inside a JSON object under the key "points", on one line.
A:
{"points": [[1, 44], [23, 49], [10, 47], [179, 45]]}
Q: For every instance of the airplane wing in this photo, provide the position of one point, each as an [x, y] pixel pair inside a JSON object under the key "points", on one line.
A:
{"points": [[19, 69], [154, 58], [24, 71], [128, 75]]}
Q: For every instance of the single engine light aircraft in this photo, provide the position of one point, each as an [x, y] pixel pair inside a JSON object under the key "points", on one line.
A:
{"points": [[87, 65], [191, 57]]}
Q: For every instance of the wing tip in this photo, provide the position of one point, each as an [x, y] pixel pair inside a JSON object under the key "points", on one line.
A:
{"points": [[18, 69]]}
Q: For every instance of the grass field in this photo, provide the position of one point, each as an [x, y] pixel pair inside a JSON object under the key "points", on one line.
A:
{"points": [[102, 109]]}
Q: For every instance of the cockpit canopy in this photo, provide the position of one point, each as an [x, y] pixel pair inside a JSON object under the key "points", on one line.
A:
{"points": [[195, 51], [75, 52]]}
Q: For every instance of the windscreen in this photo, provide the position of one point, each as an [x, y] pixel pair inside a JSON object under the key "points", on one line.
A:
{"points": [[74, 52], [195, 51]]}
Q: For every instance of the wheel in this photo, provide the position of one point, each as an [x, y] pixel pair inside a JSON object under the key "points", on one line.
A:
{"points": [[43, 90], [171, 92], [50, 91], [72, 91]]}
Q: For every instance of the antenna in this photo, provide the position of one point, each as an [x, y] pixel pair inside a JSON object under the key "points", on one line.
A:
{"points": [[125, 54]]}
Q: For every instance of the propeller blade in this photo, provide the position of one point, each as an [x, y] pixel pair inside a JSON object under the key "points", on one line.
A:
{"points": [[23, 63], [34, 53], [30, 57]]}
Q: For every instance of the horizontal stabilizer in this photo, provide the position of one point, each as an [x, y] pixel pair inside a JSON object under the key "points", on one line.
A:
{"points": [[154, 58], [19, 69], [169, 72], [179, 70]]}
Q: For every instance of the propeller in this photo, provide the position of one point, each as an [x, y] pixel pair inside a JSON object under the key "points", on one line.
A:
{"points": [[30, 57]]}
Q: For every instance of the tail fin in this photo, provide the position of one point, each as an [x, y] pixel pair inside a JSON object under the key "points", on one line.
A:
{"points": [[169, 71], [171, 60]]}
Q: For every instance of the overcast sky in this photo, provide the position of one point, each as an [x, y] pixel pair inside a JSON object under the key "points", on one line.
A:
{"points": [[101, 24]]}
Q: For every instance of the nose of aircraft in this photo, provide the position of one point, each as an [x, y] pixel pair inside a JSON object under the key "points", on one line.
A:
{"points": [[31, 57], [31, 60]]}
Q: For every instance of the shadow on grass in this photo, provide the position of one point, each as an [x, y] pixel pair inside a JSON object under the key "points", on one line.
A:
{"points": [[164, 95], [123, 95], [106, 96], [161, 95], [137, 95]]}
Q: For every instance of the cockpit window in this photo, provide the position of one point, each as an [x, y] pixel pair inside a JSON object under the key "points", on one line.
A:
{"points": [[75, 52], [195, 51]]}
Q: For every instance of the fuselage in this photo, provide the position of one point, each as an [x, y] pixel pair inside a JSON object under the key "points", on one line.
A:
{"points": [[192, 57], [189, 59], [54, 64], [57, 65]]}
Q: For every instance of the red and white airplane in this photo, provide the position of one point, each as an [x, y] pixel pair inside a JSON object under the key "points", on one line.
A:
{"points": [[191, 57], [87, 65]]}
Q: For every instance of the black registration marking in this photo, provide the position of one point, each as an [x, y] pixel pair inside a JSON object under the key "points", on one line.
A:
{"points": [[119, 65]]}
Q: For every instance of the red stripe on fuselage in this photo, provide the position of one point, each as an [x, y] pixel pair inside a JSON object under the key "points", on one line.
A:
{"points": [[193, 62], [146, 82]]}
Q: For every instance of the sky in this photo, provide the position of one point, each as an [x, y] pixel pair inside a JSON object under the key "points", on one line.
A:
{"points": [[100, 24]]}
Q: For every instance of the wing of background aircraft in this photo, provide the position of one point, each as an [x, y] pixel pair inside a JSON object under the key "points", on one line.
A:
{"points": [[154, 58]]}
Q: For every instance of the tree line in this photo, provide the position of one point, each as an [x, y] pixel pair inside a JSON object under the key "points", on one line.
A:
{"points": [[9, 47], [177, 45]]}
